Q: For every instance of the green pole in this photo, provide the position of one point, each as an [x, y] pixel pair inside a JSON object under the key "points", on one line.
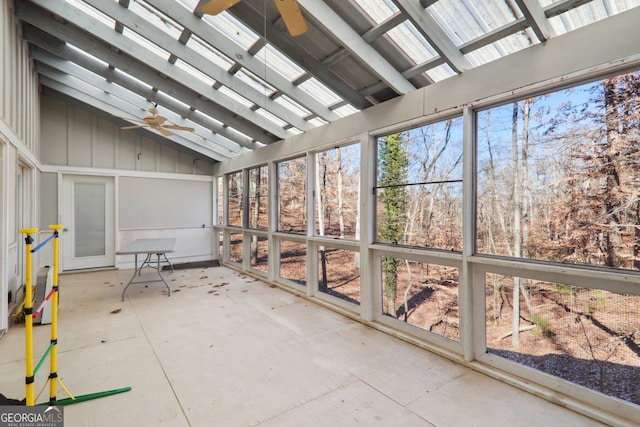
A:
{"points": [[90, 396], [35, 371]]}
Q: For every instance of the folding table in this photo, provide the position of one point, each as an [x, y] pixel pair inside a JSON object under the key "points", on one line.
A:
{"points": [[159, 247]]}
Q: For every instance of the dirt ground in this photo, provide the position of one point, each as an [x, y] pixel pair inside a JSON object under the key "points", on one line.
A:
{"points": [[588, 337]]}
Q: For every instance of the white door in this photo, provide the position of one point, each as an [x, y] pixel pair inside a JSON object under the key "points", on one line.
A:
{"points": [[88, 216]]}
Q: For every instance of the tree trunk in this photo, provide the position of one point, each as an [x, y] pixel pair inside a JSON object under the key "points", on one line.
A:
{"points": [[340, 196], [406, 291], [636, 239], [320, 195], [517, 234], [256, 212], [612, 176]]}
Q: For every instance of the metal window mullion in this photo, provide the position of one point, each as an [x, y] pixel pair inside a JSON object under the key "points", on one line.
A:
{"points": [[274, 215], [468, 305], [370, 283], [246, 235], [312, 261], [225, 217]]}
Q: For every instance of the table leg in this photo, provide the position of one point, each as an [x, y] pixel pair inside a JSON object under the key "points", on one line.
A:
{"points": [[135, 270], [160, 274], [167, 259], [138, 270]]}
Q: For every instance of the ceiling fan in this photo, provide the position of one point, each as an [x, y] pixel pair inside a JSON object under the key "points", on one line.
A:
{"points": [[288, 9], [157, 122]]}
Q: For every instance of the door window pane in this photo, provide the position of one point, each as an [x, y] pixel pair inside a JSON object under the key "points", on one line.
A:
{"points": [[90, 219]]}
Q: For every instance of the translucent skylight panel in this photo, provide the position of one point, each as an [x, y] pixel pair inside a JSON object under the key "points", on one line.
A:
{"points": [[256, 82], [498, 49], [205, 50], [378, 10], [156, 18], [277, 120], [189, 4], [409, 40], [236, 97], [441, 72], [275, 60], [233, 29], [93, 58], [135, 37], [292, 106], [317, 122], [174, 101], [194, 72], [345, 110], [612, 6], [589, 13], [319, 91], [464, 21], [91, 11]]}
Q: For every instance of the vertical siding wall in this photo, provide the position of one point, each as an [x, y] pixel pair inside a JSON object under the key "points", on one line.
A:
{"points": [[160, 192], [19, 143], [76, 138]]}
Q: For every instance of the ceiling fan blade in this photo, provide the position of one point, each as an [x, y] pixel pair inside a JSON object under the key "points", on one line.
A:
{"points": [[178, 127], [214, 7], [155, 120], [133, 127], [292, 16], [163, 131]]}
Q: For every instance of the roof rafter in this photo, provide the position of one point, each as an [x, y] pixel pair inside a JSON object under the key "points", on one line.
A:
{"points": [[60, 50], [110, 104], [179, 50], [537, 19], [215, 143], [434, 34], [157, 71], [357, 46], [285, 44], [226, 46]]}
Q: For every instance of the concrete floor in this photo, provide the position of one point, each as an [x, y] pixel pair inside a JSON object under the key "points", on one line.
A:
{"points": [[228, 350]]}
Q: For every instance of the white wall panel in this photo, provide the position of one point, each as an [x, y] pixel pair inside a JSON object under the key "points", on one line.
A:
{"points": [[150, 203]]}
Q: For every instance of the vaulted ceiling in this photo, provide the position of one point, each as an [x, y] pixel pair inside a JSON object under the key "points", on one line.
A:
{"points": [[241, 81]]}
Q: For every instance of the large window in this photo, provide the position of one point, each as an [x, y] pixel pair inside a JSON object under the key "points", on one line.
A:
{"points": [[219, 201], [423, 295], [586, 336], [236, 201], [419, 186], [235, 247], [259, 253], [337, 192], [339, 274], [292, 195], [559, 176], [293, 262], [259, 198]]}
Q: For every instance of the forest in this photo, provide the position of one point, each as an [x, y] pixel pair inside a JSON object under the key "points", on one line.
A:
{"points": [[556, 181]]}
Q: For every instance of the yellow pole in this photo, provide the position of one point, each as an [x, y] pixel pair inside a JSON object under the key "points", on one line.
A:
{"points": [[28, 318], [53, 371]]}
